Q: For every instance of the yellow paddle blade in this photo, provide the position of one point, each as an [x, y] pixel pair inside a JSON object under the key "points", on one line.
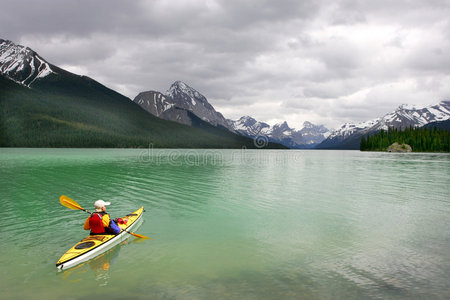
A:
{"points": [[67, 202], [138, 235]]}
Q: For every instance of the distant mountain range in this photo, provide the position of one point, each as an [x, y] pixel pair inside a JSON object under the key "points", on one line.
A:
{"points": [[182, 103], [349, 135], [42, 105], [307, 137]]}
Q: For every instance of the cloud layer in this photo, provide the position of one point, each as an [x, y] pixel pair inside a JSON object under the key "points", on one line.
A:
{"points": [[298, 61]]}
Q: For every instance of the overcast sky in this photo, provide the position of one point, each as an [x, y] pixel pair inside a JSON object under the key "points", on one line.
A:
{"points": [[327, 62]]}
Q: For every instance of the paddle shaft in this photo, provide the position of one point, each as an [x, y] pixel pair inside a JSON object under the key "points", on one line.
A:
{"points": [[86, 211]]}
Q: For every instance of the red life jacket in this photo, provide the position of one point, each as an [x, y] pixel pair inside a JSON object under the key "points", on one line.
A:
{"points": [[96, 223]]}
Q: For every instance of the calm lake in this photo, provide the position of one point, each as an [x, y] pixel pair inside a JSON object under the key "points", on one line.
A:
{"points": [[230, 224]]}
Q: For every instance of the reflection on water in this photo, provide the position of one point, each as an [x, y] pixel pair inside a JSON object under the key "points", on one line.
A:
{"points": [[101, 265]]}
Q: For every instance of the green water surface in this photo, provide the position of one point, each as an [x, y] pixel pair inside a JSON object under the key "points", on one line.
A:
{"points": [[230, 224]]}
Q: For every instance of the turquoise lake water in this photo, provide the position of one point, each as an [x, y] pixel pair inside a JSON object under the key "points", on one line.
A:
{"points": [[230, 224]]}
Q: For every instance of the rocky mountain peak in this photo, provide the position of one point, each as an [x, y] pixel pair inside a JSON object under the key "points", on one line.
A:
{"points": [[179, 99], [307, 124], [22, 64], [283, 126], [247, 121], [408, 107], [179, 89]]}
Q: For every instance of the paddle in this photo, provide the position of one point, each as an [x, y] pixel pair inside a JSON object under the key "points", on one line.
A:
{"points": [[69, 203]]}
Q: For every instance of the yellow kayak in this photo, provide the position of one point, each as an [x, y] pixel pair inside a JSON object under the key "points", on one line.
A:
{"points": [[94, 245]]}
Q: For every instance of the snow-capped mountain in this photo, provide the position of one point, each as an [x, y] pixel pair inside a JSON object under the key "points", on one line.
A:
{"points": [[186, 97], [177, 102], [349, 135], [306, 137], [164, 107], [249, 127], [313, 134], [22, 64]]}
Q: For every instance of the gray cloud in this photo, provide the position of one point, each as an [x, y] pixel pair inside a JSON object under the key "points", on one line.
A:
{"points": [[275, 60]]}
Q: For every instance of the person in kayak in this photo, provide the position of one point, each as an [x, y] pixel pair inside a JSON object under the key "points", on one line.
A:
{"points": [[99, 222]]}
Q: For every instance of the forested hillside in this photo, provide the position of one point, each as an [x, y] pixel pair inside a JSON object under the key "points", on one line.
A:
{"points": [[420, 139]]}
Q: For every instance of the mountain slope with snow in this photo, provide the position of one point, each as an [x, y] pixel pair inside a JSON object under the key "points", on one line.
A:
{"points": [[188, 98], [164, 107], [248, 126], [154, 102], [22, 64], [349, 135], [177, 102]]}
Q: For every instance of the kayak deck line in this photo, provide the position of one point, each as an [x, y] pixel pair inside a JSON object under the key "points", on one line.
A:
{"points": [[94, 245], [93, 237]]}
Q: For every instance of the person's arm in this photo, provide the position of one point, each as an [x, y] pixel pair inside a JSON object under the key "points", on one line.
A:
{"points": [[105, 220], [114, 228], [86, 224], [110, 224]]}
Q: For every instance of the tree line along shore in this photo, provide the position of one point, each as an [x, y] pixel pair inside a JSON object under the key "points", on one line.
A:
{"points": [[420, 139]]}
